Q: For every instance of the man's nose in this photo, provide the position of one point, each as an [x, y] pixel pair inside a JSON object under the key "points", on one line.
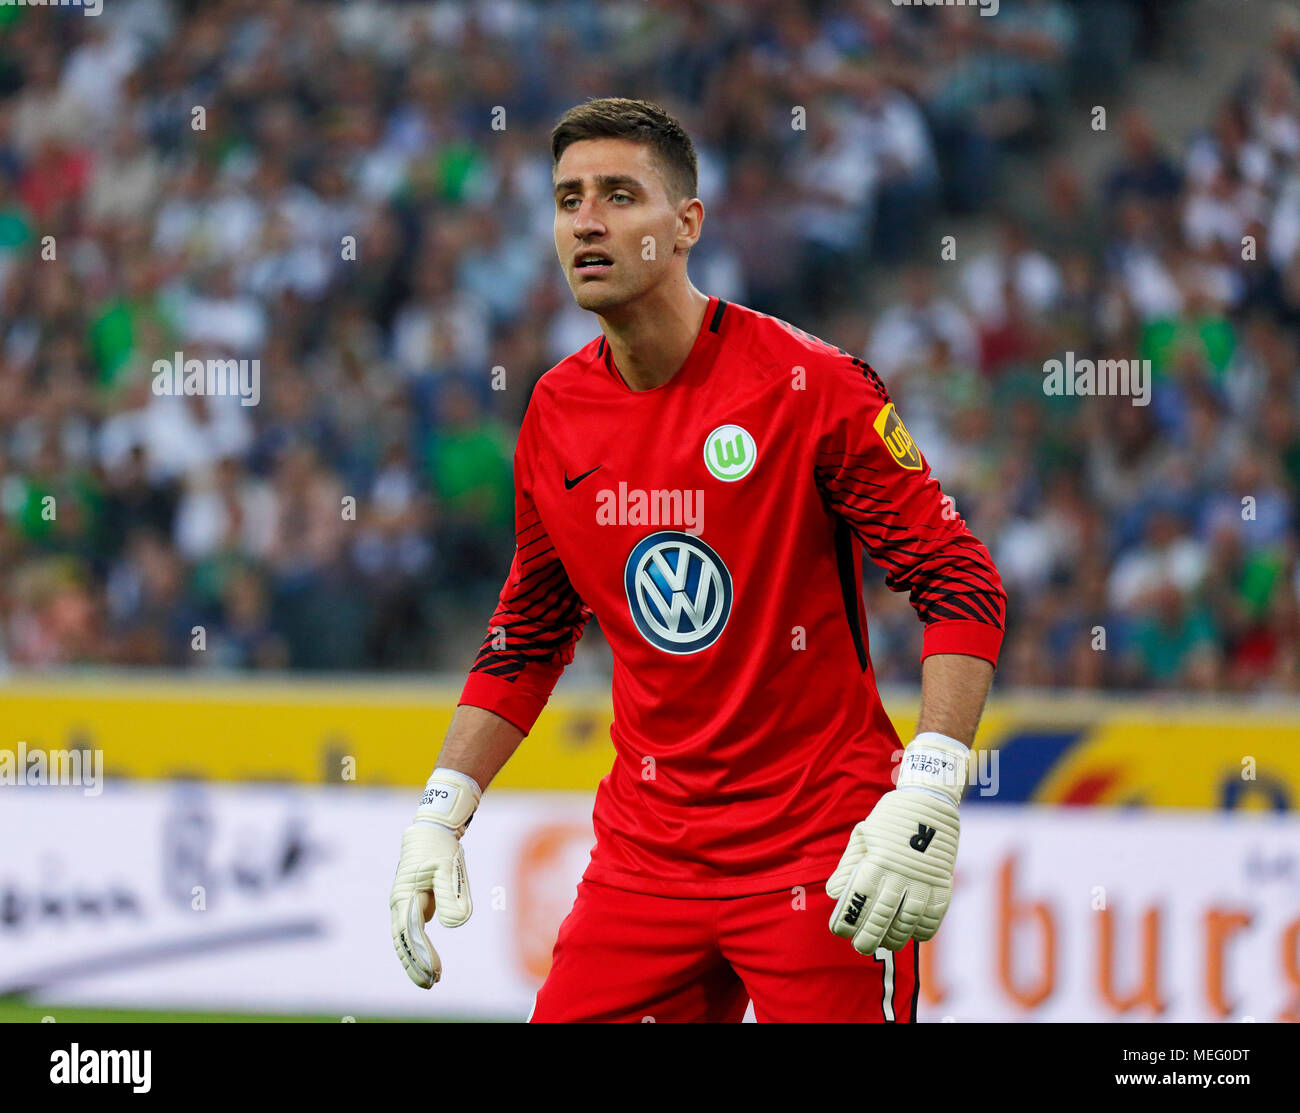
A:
{"points": [[585, 221]]}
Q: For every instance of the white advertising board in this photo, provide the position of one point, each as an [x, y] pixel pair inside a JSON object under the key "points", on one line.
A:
{"points": [[99, 905], [274, 899]]}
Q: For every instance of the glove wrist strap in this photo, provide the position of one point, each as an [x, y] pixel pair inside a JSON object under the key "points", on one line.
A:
{"points": [[449, 799], [937, 763]]}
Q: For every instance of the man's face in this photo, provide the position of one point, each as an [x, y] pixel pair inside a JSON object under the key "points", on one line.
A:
{"points": [[611, 206]]}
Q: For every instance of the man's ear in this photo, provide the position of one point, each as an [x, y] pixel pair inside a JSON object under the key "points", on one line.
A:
{"points": [[690, 220]]}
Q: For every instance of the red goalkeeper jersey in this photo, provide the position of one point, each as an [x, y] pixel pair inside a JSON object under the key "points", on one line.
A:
{"points": [[715, 526]]}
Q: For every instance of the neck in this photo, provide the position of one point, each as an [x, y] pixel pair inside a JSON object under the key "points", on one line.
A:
{"points": [[651, 338]]}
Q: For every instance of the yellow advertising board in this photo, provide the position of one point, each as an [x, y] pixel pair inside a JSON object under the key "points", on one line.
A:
{"points": [[1072, 750]]}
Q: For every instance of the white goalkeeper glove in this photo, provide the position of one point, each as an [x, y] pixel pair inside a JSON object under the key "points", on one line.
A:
{"points": [[894, 880], [431, 873]]}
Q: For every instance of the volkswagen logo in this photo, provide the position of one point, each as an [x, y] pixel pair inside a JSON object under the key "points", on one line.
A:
{"points": [[678, 590]]}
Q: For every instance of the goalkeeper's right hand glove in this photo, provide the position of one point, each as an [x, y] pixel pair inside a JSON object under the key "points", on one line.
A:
{"points": [[894, 880], [431, 873]]}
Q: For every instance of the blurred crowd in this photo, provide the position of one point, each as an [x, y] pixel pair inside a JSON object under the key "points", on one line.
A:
{"points": [[357, 196]]}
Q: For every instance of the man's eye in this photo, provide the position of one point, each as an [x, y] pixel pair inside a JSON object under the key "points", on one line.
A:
{"points": [[621, 197], [569, 203]]}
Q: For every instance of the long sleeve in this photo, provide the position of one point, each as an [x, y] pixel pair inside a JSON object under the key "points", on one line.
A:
{"points": [[538, 619], [872, 475]]}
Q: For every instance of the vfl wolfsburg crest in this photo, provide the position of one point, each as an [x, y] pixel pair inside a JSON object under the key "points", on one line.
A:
{"points": [[897, 439], [729, 453]]}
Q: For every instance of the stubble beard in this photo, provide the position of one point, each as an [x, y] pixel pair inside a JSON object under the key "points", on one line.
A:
{"points": [[595, 299]]}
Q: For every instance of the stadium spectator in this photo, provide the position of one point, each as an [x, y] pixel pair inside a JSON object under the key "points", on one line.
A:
{"points": [[345, 211]]}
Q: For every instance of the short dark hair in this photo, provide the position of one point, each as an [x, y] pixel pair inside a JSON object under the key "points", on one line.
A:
{"points": [[642, 122]]}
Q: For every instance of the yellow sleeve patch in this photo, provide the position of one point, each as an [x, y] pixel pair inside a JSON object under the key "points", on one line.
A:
{"points": [[897, 439]]}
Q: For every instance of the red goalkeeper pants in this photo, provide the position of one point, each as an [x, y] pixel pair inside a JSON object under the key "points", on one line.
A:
{"points": [[624, 956]]}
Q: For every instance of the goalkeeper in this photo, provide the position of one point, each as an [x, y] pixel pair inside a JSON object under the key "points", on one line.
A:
{"points": [[763, 835]]}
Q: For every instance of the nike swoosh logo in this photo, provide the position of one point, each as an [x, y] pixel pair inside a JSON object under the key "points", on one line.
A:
{"points": [[570, 484]]}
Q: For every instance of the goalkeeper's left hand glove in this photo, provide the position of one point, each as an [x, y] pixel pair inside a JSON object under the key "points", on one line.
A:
{"points": [[894, 881], [431, 873]]}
